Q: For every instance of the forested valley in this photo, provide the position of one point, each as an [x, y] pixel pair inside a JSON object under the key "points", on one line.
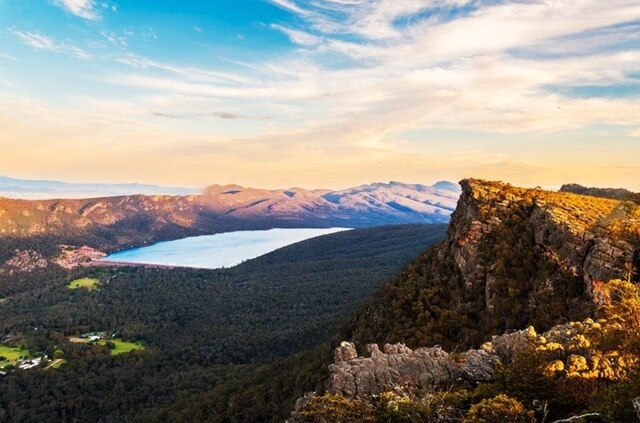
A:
{"points": [[238, 344]]}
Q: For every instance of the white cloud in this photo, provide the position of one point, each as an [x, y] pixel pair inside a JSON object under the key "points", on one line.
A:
{"points": [[82, 8], [297, 36], [366, 73], [291, 6], [42, 42]]}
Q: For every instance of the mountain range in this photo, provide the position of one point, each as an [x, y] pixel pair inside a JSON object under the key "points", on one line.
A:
{"points": [[43, 189], [116, 222]]}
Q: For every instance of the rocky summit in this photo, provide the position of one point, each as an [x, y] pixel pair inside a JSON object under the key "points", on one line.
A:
{"points": [[513, 257]]}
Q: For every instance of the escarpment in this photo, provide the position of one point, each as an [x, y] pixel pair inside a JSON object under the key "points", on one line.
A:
{"points": [[513, 257]]}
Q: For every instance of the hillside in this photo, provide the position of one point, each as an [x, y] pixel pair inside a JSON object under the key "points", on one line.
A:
{"points": [[449, 332], [236, 344], [117, 222], [512, 257], [613, 193]]}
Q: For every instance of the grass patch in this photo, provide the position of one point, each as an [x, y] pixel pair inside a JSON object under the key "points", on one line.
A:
{"points": [[57, 363], [85, 283], [11, 355], [3, 300], [121, 346]]}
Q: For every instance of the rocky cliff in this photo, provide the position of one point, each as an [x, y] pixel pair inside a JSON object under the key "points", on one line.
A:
{"points": [[462, 316], [513, 257]]}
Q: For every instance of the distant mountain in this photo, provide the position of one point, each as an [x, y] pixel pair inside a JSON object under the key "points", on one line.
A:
{"points": [[365, 205], [613, 193], [117, 222], [35, 189]]}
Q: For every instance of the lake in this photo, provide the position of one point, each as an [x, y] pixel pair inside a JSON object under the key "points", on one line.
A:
{"points": [[219, 250]]}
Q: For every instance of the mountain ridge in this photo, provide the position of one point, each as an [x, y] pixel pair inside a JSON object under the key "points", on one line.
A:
{"points": [[118, 222]]}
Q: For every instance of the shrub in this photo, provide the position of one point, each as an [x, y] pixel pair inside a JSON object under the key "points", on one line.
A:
{"points": [[331, 408], [499, 409]]}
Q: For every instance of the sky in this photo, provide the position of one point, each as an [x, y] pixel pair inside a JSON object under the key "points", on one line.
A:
{"points": [[321, 93]]}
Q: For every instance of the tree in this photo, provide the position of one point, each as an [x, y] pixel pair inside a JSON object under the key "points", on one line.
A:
{"points": [[623, 317]]}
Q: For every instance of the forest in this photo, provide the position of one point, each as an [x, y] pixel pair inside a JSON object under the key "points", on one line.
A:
{"points": [[237, 344]]}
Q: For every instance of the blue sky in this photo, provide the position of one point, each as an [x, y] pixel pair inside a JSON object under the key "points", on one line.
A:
{"points": [[320, 93]]}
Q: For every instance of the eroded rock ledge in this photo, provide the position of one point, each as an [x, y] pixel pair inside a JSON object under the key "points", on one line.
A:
{"points": [[568, 350]]}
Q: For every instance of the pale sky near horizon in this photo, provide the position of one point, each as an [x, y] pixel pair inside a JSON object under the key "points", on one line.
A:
{"points": [[321, 93]]}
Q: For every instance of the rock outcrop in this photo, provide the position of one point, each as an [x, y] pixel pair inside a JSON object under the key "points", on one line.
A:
{"points": [[568, 350], [25, 261], [571, 231], [71, 257]]}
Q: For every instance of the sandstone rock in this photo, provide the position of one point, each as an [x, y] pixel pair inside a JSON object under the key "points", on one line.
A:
{"points": [[345, 352], [576, 363], [636, 406], [26, 261], [554, 367], [400, 369]]}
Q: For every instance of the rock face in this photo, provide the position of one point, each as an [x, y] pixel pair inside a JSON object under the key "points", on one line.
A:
{"points": [[403, 370], [71, 257], [512, 257], [25, 261], [568, 230], [568, 350]]}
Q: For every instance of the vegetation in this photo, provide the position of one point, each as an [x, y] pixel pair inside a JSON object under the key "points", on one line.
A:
{"points": [[242, 344], [89, 284], [515, 283], [499, 409], [57, 363], [230, 345], [118, 346], [512, 282], [10, 355], [613, 193]]}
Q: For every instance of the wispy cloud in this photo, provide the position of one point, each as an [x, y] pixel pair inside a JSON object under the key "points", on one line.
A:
{"points": [[298, 36], [380, 81], [42, 42], [291, 6], [219, 115], [82, 8]]}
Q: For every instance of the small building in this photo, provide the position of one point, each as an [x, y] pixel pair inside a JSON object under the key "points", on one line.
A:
{"points": [[29, 364]]}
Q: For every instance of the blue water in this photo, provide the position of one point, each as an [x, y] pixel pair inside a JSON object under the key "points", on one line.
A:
{"points": [[220, 250]]}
